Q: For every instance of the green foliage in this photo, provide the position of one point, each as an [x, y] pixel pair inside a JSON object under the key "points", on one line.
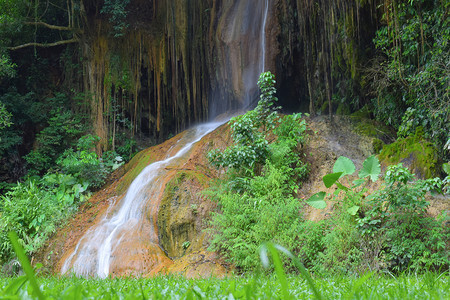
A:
{"points": [[397, 215], [446, 181], [266, 211], [62, 130], [256, 198], [249, 133], [338, 238], [352, 194], [421, 154], [7, 68], [85, 165], [5, 117], [34, 208], [250, 149], [413, 90], [25, 263], [117, 13], [255, 286], [265, 115], [386, 229], [368, 286]]}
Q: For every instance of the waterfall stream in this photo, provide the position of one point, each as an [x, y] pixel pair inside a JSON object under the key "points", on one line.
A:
{"points": [[97, 249], [125, 241]]}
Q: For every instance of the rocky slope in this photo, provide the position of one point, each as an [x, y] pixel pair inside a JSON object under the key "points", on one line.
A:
{"points": [[184, 210]]}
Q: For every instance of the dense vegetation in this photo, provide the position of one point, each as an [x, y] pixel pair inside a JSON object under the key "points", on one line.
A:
{"points": [[387, 230], [82, 86], [258, 286], [256, 199], [429, 286]]}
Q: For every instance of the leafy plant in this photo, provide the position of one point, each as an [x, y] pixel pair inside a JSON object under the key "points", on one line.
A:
{"points": [[85, 165], [353, 194], [118, 13], [249, 133], [264, 171], [253, 286], [62, 131], [397, 215], [34, 208], [5, 117], [265, 211], [412, 89]]}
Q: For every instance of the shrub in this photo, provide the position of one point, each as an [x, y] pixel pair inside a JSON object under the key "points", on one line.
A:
{"points": [[387, 229], [398, 217], [85, 165], [266, 211], [256, 199], [34, 208]]}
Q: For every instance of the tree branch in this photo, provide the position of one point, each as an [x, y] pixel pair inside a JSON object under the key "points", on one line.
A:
{"points": [[51, 26], [44, 45]]}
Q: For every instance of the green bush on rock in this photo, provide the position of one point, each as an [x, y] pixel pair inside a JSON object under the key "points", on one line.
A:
{"points": [[388, 228], [256, 200]]}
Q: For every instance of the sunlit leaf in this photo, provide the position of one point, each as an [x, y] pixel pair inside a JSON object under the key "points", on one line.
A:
{"points": [[330, 179], [317, 200], [353, 210], [344, 165], [371, 168]]}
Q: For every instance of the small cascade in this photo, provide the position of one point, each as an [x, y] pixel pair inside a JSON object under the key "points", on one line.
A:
{"points": [[126, 240], [241, 47]]}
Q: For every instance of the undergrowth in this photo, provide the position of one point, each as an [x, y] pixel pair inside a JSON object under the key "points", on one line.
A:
{"points": [[384, 231], [254, 286], [37, 206]]}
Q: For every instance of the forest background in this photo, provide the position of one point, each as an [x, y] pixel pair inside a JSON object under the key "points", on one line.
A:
{"points": [[86, 84]]}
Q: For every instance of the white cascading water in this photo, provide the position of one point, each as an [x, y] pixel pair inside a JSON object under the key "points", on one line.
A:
{"points": [[252, 71], [98, 249], [263, 38], [95, 249]]}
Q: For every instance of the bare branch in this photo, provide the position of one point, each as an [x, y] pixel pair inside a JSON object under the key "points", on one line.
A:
{"points": [[51, 26], [44, 45]]}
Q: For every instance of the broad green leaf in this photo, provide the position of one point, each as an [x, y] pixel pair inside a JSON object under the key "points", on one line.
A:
{"points": [[353, 210], [344, 165], [317, 201], [371, 168], [330, 179], [446, 168]]}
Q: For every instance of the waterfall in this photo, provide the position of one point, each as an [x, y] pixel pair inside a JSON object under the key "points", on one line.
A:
{"points": [[126, 239], [241, 52], [263, 38], [95, 251]]}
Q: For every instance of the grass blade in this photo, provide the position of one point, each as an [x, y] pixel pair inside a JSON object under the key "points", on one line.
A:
{"points": [[23, 259]]}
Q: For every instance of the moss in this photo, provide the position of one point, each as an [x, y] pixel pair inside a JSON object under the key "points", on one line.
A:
{"points": [[415, 152], [363, 113], [178, 214], [134, 168], [365, 125], [343, 109], [377, 145]]}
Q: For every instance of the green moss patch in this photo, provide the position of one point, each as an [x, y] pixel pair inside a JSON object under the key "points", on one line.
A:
{"points": [[415, 152], [178, 215]]}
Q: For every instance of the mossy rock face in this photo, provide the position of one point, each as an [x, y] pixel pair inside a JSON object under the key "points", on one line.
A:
{"points": [[365, 125], [416, 153], [181, 214], [343, 109]]}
